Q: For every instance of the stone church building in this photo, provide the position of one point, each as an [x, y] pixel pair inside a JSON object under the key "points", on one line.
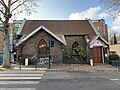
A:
{"points": [[67, 35]]}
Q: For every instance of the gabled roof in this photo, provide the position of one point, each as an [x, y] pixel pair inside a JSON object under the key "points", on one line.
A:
{"points": [[44, 28], [63, 27], [96, 37], [94, 28], [21, 26]]}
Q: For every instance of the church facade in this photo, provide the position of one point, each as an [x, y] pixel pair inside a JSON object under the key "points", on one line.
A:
{"points": [[66, 36]]}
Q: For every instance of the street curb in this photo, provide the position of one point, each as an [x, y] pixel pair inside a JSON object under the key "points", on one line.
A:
{"points": [[3, 69], [41, 69], [62, 70], [59, 70]]}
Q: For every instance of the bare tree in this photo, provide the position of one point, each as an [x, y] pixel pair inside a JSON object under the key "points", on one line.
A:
{"points": [[9, 8], [112, 7], [115, 39], [111, 36]]}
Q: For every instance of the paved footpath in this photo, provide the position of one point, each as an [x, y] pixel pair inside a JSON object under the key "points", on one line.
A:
{"points": [[20, 80], [72, 68]]}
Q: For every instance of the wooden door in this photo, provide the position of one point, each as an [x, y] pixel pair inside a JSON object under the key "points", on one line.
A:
{"points": [[97, 54]]}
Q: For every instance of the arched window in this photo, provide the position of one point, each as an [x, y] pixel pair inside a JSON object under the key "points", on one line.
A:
{"points": [[42, 47], [75, 44]]}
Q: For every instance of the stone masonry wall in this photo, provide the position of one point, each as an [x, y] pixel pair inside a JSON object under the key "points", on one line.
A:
{"points": [[29, 48], [71, 39]]}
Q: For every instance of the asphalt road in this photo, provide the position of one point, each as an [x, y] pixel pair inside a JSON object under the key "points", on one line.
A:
{"points": [[66, 81], [80, 81]]}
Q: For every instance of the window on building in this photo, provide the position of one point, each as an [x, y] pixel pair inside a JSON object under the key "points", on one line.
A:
{"points": [[75, 44], [42, 47], [98, 27]]}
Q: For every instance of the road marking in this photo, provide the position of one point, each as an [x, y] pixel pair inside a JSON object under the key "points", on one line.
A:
{"points": [[19, 82], [4, 75], [17, 88], [18, 78], [114, 79], [30, 68], [22, 72]]}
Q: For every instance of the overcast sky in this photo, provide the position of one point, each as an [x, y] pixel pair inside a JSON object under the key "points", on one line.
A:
{"points": [[72, 10]]}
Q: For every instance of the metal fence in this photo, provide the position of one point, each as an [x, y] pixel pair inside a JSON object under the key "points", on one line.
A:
{"points": [[115, 63]]}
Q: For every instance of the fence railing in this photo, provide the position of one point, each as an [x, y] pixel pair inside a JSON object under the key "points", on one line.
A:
{"points": [[115, 63]]}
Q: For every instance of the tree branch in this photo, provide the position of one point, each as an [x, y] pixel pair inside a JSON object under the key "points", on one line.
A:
{"points": [[3, 3], [18, 6], [2, 12], [14, 2], [1, 20]]}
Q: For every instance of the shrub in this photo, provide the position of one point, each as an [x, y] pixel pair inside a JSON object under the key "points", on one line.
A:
{"points": [[80, 51], [68, 54], [71, 61], [113, 57]]}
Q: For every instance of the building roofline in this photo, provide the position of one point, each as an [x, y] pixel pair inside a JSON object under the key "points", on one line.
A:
{"points": [[100, 38], [36, 30], [21, 27], [94, 28]]}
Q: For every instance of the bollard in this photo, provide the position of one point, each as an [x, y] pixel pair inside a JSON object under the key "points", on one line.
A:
{"points": [[20, 64], [26, 62], [91, 62], [36, 63]]}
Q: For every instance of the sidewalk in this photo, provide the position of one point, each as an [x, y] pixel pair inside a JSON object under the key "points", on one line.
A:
{"points": [[71, 68], [87, 68]]}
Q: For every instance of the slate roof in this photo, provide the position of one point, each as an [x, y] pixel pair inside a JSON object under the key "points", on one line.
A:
{"points": [[63, 27], [59, 28], [61, 39]]}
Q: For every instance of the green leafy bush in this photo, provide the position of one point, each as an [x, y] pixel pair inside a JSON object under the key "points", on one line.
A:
{"points": [[68, 54], [71, 61], [76, 56], [80, 51], [113, 57]]}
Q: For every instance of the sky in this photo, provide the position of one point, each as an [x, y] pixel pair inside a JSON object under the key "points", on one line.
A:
{"points": [[72, 10]]}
